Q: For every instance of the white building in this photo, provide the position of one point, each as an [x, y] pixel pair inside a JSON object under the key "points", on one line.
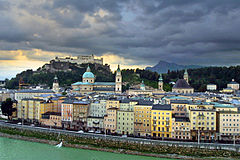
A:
{"points": [[28, 93], [211, 87]]}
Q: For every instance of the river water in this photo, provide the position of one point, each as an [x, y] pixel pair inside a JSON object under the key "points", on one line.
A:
{"points": [[11, 149]]}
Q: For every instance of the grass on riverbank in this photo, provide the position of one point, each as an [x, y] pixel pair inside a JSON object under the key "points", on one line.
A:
{"points": [[116, 145]]}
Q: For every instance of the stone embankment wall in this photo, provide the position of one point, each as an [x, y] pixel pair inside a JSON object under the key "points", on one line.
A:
{"points": [[126, 144]]}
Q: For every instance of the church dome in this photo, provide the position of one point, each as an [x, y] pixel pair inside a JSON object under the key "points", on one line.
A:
{"points": [[88, 73]]}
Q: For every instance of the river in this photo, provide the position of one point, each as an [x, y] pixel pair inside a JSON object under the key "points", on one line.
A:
{"points": [[12, 149]]}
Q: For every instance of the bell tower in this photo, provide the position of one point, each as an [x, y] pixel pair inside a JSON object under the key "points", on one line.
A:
{"points": [[185, 76], [118, 81], [160, 83], [55, 87]]}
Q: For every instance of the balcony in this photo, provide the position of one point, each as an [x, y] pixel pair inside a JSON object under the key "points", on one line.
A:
{"points": [[137, 122]]}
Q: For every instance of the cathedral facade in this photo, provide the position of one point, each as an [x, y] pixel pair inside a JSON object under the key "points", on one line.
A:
{"points": [[88, 84]]}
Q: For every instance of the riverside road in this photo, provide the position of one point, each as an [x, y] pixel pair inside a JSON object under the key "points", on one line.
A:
{"points": [[230, 147]]}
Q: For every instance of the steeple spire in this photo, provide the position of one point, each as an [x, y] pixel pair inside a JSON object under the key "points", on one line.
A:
{"points": [[88, 69], [118, 69]]}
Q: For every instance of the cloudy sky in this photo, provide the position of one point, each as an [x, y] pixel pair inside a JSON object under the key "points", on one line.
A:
{"points": [[134, 33]]}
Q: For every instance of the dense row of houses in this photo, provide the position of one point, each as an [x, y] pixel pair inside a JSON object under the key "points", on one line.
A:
{"points": [[181, 119]]}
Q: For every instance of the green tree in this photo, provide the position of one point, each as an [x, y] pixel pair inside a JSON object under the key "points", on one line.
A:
{"points": [[7, 108]]}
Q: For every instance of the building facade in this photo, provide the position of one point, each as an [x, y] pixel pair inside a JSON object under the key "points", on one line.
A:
{"points": [[110, 119], [142, 120], [228, 124], [161, 121], [181, 128], [234, 85], [203, 124]]}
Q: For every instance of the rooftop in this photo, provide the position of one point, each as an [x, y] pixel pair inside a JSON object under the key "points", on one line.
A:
{"points": [[35, 91], [182, 84], [162, 107]]}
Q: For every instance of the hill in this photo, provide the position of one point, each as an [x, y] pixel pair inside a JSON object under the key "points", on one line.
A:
{"points": [[164, 67], [198, 78]]}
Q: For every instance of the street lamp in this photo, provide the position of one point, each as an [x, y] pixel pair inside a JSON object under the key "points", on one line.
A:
{"points": [[198, 135], [23, 114]]}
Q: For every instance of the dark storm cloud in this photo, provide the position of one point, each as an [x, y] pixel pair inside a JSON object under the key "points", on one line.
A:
{"points": [[202, 32]]}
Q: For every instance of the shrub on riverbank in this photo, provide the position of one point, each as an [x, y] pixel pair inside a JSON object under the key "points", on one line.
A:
{"points": [[116, 145]]}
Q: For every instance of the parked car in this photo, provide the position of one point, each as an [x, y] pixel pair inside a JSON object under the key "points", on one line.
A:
{"points": [[124, 136], [98, 132], [19, 123], [91, 131], [81, 131]]}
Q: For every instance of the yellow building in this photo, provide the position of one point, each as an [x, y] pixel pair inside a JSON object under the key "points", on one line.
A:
{"points": [[142, 119], [32, 109], [110, 120], [161, 120], [203, 122]]}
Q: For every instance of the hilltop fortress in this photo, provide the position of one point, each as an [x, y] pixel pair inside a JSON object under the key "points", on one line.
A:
{"points": [[80, 59], [66, 64]]}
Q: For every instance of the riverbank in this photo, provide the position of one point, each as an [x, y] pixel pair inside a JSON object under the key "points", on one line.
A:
{"points": [[160, 151]]}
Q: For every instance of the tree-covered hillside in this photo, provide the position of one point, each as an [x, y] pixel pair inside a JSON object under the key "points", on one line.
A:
{"points": [[198, 78], [39, 77]]}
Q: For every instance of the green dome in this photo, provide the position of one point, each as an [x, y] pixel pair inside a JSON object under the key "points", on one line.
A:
{"points": [[142, 84], [88, 75]]}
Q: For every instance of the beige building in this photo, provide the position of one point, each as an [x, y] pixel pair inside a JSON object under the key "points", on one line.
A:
{"points": [[125, 122], [80, 114], [181, 128], [52, 119], [203, 122], [142, 119], [228, 124], [110, 120], [234, 85]]}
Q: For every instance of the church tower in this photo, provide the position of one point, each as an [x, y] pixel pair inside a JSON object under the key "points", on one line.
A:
{"points": [[55, 87], [118, 81], [142, 86], [160, 83], [186, 76]]}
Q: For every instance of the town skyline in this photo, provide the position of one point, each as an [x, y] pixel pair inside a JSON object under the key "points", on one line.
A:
{"points": [[126, 33]]}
